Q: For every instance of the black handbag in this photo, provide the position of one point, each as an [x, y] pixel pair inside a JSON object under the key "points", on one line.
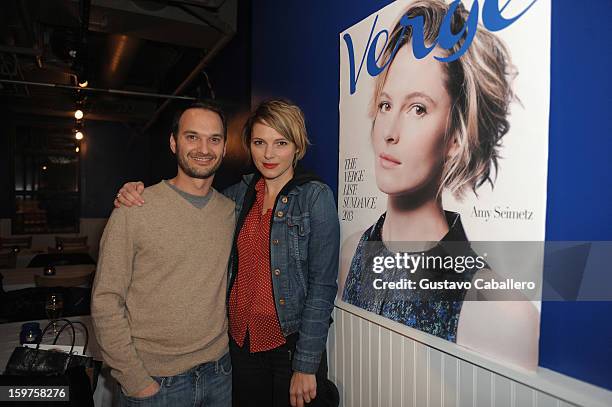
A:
{"points": [[327, 394], [37, 367]]}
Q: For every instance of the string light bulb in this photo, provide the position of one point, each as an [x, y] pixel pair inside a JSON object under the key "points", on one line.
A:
{"points": [[79, 135], [77, 149], [78, 114]]}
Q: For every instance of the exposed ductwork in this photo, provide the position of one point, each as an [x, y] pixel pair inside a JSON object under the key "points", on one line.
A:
{"points": [[120, 53], [175, 22], [157, 47]]}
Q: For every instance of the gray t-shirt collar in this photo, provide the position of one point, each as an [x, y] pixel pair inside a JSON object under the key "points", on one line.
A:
{"points": [[196, 200]]}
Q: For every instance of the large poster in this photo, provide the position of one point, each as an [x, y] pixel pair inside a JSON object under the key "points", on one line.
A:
{"points": [[443, 151]]}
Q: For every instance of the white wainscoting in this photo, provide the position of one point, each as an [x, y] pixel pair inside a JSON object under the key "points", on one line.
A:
{"points": [[373, 365]]}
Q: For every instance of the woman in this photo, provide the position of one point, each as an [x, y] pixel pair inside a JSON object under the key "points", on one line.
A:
{"points": [[283, 266], [435, 126]]}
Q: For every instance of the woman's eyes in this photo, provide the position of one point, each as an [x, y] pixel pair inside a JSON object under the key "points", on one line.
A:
{"points": [[279, 143], [418, 109], [384, 106]]}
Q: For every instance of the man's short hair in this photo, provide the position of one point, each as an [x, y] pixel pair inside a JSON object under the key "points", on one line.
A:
{"points": [[209, 105]]}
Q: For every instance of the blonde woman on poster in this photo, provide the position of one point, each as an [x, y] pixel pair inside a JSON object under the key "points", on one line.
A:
{"points": [[437, 126]]}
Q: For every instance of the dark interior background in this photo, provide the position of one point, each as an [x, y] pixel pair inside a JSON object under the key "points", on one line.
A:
{"points": [[128, 148]]}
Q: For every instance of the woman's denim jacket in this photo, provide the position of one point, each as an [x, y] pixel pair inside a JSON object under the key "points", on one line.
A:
{"points": [[304, 244]]}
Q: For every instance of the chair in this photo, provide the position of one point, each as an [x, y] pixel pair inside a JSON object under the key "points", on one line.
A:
{"points": [[21, 242], [8, 260], [66, 242], [60, 259], [52, 281]]}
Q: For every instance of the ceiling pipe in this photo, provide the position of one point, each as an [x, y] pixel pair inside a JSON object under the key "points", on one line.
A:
{"points": [[69, 114], [194, 74], [88, 89]]}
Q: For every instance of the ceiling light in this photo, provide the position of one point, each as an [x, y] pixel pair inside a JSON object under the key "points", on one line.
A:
{"points": [[79, 135], [78, 114]]}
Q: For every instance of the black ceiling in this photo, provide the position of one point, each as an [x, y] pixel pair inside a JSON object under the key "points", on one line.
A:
{"points": [[138, 46]]}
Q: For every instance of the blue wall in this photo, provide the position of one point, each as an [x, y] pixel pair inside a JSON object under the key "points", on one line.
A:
{"points": [[295, 54], [576, 337]]}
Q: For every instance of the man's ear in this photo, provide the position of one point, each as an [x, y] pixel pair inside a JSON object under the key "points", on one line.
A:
{"points": [[172, 143]]}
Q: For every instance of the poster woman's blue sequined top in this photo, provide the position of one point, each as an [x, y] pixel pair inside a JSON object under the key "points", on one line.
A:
{"points": [[433, 311]]}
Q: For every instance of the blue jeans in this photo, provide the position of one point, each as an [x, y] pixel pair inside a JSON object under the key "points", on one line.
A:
{"points": [[206, 385]]}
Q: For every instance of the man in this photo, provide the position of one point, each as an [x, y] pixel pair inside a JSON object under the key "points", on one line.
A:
{"points": [[158, 301]]}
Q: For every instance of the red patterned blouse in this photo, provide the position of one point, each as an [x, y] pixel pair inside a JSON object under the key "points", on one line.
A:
{"points": [[251, 303]]}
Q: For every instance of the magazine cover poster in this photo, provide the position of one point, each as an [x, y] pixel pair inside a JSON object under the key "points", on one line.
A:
{"points": [[444, 111]]}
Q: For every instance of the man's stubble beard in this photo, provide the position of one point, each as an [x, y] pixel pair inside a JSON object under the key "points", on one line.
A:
{"points": [[183, 162]]}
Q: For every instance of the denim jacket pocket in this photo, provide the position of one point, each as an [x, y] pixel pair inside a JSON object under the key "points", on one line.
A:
{"points": [[299, 233]]}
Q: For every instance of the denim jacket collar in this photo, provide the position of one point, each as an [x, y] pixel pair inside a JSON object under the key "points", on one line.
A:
{"points": [[300, 177]]}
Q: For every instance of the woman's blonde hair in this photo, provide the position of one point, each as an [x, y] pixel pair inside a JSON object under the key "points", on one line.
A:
{"points": [[479, 84], [284, 117]]}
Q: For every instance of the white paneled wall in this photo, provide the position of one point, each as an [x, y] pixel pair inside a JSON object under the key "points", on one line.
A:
{"points": [[375, 366]]}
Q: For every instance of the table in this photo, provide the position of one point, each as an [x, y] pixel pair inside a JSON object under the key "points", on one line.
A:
{"points": [[107, 388], [15, 279], [26, 255]]}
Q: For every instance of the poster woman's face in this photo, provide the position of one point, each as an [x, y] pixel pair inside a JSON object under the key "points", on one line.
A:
{"points": [[409, 129]]}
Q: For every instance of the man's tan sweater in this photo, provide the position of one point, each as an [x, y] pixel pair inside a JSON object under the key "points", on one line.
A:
{"points": [[158, 302]]}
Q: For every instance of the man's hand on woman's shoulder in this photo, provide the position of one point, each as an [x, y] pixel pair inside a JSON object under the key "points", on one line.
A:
{"points": [[130, 195]]}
